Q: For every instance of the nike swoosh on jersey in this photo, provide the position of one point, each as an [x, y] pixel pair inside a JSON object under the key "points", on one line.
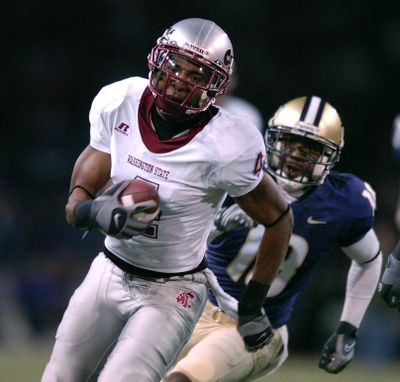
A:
{"points": [[311, 220]]}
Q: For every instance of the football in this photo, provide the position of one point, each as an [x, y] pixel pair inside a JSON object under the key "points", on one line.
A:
{"points": [[143, 198]]}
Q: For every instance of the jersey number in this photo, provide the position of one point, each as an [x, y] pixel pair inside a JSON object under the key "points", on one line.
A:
{"points": [[369, 194], [243, 263]]}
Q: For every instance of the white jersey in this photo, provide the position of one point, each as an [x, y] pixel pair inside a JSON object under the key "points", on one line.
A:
{"points": [[192, 173]]}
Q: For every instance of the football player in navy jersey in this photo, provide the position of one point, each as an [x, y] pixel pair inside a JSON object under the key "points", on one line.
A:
{"points": [[331, 210]]}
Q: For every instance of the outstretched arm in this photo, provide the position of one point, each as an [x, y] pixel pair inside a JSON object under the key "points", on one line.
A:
{"points": [[362, 279], [266, 206]]}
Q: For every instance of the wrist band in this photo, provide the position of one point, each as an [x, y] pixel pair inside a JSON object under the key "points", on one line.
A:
{"points": [[82, 214], [347, 329], [253, 298]]}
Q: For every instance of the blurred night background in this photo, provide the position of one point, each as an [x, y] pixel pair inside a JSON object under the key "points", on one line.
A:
{"points": [[55, 57]]}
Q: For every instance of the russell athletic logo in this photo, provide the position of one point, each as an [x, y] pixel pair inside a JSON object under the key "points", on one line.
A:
{"points": [[184, 299], [122, 128]]}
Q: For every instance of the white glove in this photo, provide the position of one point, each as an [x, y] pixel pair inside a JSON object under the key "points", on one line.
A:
{"points": [[230, 218], [107, 214]]}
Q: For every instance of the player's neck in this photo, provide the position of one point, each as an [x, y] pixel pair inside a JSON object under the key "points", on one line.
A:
{"points": [[170, 129]]}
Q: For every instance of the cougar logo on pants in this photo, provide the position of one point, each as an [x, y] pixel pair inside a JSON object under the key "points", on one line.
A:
{"points": [[184, 299]]}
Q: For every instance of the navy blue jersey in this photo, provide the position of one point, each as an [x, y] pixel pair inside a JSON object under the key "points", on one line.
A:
{"points": [[337, 213]]}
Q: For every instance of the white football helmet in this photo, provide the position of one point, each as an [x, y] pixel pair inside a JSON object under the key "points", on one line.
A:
{"points": [[312, 126], [201, 43]]}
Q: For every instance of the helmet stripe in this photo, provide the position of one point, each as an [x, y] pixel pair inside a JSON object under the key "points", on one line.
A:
{"points": [[321, 108], [312, 110], [305, 109], [204, 33]]}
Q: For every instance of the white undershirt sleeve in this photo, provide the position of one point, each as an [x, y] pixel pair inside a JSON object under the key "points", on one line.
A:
{"points": [[362, 277]]}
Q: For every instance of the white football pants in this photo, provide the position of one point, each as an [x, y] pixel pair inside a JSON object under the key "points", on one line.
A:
{"points": [[120, 328]]}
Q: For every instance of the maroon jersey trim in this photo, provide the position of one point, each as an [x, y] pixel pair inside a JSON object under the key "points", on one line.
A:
{"points": [[149, 136]]}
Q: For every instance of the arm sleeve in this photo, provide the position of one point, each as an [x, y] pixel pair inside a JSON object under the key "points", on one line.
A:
{"points": [[362, 277]]}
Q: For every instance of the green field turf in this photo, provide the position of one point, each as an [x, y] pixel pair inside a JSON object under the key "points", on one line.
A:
{"points": [[27, 366], [305, 369]]}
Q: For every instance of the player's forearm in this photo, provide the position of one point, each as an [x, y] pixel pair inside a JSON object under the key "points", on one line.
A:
{"points": [[253, 323], [90, 175], [362, 280], [77, 194], [272, 250]]}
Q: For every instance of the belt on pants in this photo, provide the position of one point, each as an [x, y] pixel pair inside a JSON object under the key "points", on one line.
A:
{"points": [[147, 273]]}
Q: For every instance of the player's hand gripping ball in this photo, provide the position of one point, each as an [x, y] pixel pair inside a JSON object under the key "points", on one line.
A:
{"points": [[142, 199]]}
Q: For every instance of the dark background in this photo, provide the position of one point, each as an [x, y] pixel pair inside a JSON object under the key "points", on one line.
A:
{"points": [[55, 57]]}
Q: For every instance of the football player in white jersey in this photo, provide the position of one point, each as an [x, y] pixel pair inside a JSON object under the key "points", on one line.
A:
{"points": [[145, 291], [331, 210]]}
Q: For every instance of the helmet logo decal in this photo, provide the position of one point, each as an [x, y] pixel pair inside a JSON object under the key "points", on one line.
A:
{"points": [[228, 57]]}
